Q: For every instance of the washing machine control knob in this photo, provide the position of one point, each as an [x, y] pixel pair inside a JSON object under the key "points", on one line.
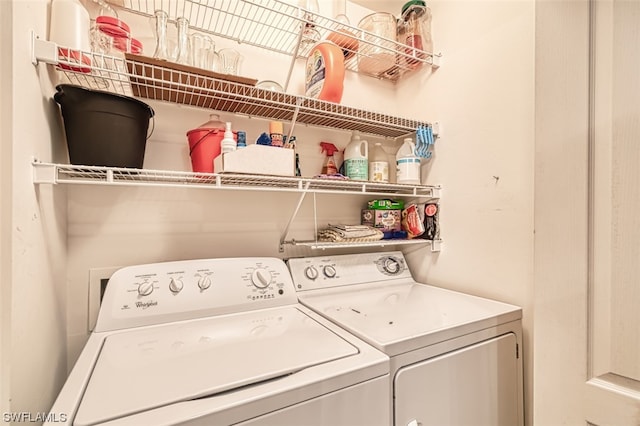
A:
{"points": [[329, 271], [391, 265], [204, 283], [145, 288], [261, 278], [311, 272], [175, 285]]}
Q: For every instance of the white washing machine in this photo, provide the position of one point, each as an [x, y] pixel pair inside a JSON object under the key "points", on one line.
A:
{"points": [[455, 358], [220, 342]]}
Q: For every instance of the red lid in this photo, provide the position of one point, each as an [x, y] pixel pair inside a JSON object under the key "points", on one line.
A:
{"points": [[122, 44], [74, 57], [112, 26], [129, 45], [136, 46]]}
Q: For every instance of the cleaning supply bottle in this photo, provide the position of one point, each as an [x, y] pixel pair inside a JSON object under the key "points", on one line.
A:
{"points": [[379, 165], [228, 143], [408, 163], [329, 167], [324, 78], [242, 140], [356, 158], [276, 130]]}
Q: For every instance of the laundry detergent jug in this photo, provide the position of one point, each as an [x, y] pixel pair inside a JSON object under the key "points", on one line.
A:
{"points": [[356, 158], [408, 164]]}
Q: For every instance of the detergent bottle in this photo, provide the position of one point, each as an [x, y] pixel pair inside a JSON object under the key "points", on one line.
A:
{"points": [[329, 167], [324, 78], [408, 163], [356, 158], [379, 165]]}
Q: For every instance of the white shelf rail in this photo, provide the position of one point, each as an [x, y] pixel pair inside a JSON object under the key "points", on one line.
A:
{"points": [[319, 245], [144, 78], [275, 26], [51, 173]]}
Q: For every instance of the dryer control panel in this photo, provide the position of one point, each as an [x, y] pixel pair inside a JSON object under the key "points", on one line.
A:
{"points": [[172, 291], [312, 273]]}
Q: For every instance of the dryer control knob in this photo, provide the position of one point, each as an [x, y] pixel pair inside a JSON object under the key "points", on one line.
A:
{"points": [[261, 278], [175, 285], [145, 288], [329, 271], [311, 272], [204, 283], [391, 265]]}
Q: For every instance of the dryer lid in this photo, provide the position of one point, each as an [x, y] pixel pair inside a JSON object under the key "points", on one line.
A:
{"points": [[403, 317], [139, 370]]}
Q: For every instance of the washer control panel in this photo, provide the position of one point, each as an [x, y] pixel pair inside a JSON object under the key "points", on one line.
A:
{"points": [[311, 273], [170, 291]]}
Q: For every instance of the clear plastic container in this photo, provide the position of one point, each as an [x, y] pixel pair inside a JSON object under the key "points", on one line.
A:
{"points": [[414, 30], [377, 52]]}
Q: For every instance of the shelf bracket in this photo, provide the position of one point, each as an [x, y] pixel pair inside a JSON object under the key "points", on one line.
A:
{"points": [[436, 245], [294, 118], [44, 173], [293, 58], [436, 192], [436, 61], [43, 51], [304, 193]]}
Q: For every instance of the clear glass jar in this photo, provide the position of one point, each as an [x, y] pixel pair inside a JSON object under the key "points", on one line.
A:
{"points": [[182, 24], [161, 18], [414, 31], [202, 51]]}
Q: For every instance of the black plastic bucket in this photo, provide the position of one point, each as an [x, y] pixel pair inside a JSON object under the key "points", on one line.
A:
{"points": [[103, 129]]}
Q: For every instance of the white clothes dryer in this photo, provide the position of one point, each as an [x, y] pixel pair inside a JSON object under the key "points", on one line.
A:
{"points": [[455, 358], [219, 342]]}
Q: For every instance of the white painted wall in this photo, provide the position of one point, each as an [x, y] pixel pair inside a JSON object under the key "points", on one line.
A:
{"points": [[37, 224], [5, 205], [483, 95]]}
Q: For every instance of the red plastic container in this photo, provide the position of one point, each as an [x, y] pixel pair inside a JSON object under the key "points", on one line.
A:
{"points": [[204, 144]]}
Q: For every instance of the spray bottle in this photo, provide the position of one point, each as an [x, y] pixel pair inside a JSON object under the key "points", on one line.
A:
{"points": [[329, 167]]}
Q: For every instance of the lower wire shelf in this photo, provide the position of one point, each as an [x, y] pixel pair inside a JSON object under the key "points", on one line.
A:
{"points": [[322, 245]]}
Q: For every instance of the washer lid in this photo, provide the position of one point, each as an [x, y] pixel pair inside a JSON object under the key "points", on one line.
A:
{"points": [[403, 317], [142, 369]]}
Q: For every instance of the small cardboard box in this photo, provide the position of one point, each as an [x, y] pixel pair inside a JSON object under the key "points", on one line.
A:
{"points": [[257, 160], [385, 220]]}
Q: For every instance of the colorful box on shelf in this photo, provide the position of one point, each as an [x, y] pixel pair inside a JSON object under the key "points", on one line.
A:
{"points": [[385, 204], [257, 160], [385, 220]]}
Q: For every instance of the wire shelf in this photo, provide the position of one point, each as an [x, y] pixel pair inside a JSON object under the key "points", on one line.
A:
{"points": [[319, 245], [275, 26], [50, 173], [144, 77]]}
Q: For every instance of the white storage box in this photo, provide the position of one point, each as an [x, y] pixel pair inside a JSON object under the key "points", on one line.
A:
{"points": [[258, 160]]}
